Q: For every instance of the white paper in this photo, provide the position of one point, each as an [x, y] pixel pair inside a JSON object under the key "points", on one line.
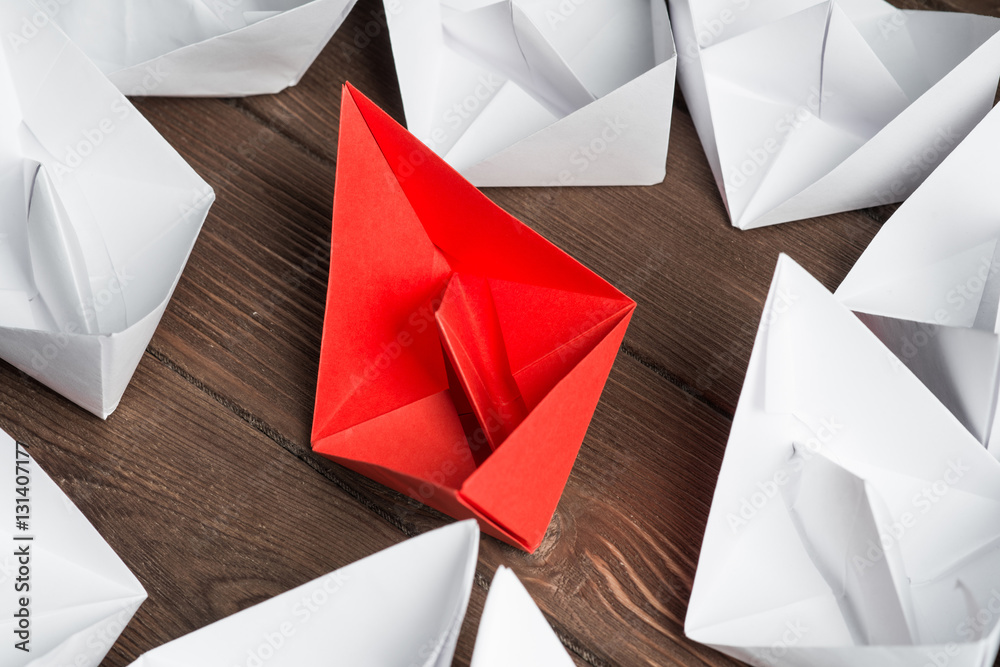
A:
{"points": [[200, 47], [513, 631], [929, 283], [100, 217], [855, 521], [401, 607], [81, 596], [812, 107], [519, 93]]}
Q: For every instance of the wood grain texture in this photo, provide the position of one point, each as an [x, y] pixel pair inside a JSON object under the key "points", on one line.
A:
{"points": [[204, 481]]}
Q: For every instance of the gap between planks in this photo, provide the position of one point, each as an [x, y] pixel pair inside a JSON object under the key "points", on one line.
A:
{"points": [[253, 421]]}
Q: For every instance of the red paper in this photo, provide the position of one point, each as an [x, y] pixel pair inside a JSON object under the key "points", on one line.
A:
{"points": [[463, 354]]}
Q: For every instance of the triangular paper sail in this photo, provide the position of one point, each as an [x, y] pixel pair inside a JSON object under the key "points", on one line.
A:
{"points": [[513, 631]]}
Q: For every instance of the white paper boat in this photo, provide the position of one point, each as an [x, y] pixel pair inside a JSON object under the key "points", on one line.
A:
{"points": [[80, 595], [811, 107], [520, 93], [855, 522], [200, 48], [100, 217]]}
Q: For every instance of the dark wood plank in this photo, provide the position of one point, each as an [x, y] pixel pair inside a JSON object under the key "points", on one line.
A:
{"points": [[184, 480], [208, 513]]}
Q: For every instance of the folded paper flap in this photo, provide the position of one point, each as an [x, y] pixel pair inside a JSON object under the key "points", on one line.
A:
{"points": [[960, 366], [61, 269], [77, 588], [933, 43], [832, 513], [889, 278], [543, 154], [127, 33], [423, 439], [404, 605], [471, 335], [780, 61], [135, 32], [56, 643], [604, 44], [146, 261], [664, 47], [946, 290], [760, 88], [513, 631], [742, 16], [376, 360], [520, 484], [500, 38], [541, 350], [859, 94], [57, 626], [497, 245], [16, 311]]}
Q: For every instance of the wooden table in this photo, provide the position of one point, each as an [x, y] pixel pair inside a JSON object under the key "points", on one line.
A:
{"points": [[204, 482]]}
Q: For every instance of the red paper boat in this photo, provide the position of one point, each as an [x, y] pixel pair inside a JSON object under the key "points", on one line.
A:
{"points": [[463, 354]]}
